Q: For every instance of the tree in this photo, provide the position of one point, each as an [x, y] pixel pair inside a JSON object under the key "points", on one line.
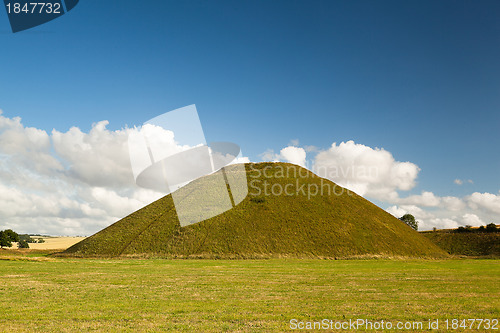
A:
{"points": [[23, 244], [7, 237], [409, 220], [13, 236], [4, 240], [491, 227]]}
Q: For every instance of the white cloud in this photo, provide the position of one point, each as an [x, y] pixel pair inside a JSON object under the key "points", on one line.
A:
{"points": [[488, 201], [65, 183], [294, 155], [367, 171], [426, 220], [472, 220], [74, 182], [441, 217], [441, 223], [376, 174], [269, 156], [97, 158], [241, 159], [416, 211], [397, 211], [429, 199], [452, 204], [291, 154], [311, 149], [77, 183], [461, 182], [426, 199]]}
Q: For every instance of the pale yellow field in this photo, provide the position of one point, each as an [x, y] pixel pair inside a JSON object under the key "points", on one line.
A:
{"points": [[53, 243]]}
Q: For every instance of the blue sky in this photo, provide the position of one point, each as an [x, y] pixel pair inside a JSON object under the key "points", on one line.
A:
{"points": [[420, 79]]}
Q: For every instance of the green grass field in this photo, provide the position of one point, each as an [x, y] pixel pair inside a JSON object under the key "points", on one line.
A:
{"points": [[69, 295]]}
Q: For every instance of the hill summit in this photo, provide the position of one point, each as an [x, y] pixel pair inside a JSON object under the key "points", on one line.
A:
{"points": [[289, 211]]}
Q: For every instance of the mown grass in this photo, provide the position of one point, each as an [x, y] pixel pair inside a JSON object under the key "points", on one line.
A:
{"points": [[70, 295], [14, 254]]}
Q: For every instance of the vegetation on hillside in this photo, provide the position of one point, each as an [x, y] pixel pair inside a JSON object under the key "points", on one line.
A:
{"points": [[488, 228], [410, 220], [468, 241], [309, 217]]}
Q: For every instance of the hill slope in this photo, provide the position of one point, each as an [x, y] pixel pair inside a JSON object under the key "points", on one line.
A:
{"points": [[468, 244], [299, 223]]}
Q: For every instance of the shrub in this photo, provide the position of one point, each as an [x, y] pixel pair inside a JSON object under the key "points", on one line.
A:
{"points": [[258, 200], [491, 227], [23, 244]]}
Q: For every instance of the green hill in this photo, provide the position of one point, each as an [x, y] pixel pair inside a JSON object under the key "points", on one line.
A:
{"points": [[474, 244], [298, 223]]}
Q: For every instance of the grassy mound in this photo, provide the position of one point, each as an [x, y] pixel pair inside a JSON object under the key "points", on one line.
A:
{"points": [[311, 217], [469, 244]]}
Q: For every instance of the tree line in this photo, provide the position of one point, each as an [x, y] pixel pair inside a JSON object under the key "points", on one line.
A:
{"points": [[410, 220], [489, 228]]}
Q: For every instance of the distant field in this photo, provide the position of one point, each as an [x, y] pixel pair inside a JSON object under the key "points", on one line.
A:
{"points": [[52, 243], [69, 295]]}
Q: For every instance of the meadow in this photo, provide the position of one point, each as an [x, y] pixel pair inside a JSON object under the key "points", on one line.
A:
{"points": [[41, 293]]}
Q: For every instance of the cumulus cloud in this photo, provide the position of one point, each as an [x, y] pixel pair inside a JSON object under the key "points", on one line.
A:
{"points": [[426, 220], [426, 199], [26, 147], [269, 156], [488, 201], [416, 211], [291, 154], [294, 155], [376, 174], [440, 219], [472, 220], [67, 182], [76, 182], [97, 158], [365, 170], [73, 182], [429, 199]]}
